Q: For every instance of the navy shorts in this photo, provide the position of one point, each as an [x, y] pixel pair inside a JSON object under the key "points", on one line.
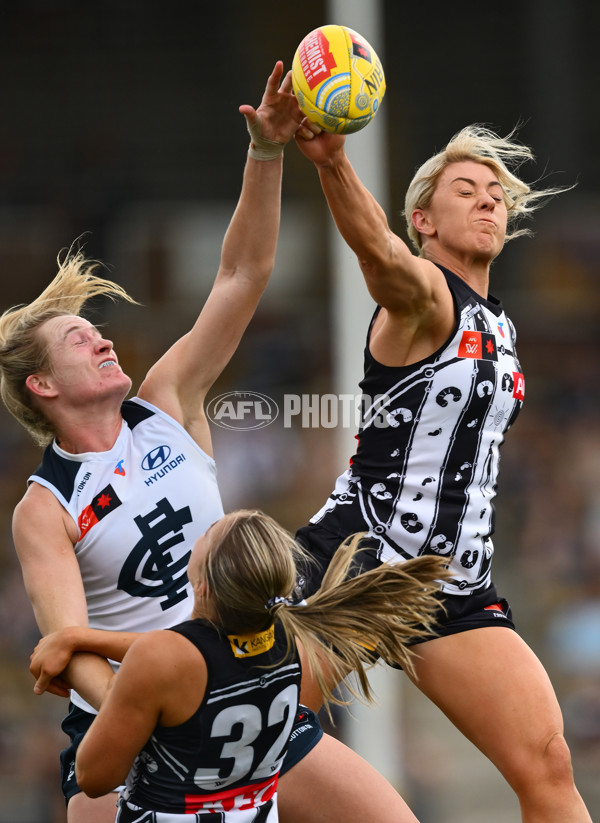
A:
{"points": [[306, 733], [75, 725]]}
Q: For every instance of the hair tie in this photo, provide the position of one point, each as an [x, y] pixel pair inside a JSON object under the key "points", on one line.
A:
{"points": [[274, 601]]}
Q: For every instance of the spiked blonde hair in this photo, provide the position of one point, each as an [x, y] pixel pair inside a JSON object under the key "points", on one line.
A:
{"points": [[500, 154], [22, 351]]}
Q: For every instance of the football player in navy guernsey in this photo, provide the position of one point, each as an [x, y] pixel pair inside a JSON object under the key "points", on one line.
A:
{"points": [[198, 719], [442, 385]]}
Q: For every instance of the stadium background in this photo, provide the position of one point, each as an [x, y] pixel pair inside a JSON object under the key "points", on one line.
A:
{"points": [[120, 119]]}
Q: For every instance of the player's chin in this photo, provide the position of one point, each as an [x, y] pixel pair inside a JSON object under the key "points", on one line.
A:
{"points": [[489, 243]]}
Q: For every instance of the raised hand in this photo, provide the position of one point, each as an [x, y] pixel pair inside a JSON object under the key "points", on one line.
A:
{"points": [[278, 117]]}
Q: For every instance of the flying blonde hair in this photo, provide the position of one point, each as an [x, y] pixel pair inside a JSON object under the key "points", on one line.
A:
{"points": [[503, 155], [250, 571], [22, 350]]}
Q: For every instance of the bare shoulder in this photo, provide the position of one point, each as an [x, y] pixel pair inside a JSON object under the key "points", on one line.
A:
{"points": [[39, 511], [417, 320], [173, 672], [170, 647]]}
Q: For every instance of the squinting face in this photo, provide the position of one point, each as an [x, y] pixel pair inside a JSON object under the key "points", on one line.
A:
{"points": [[468, 212], [83, 364]]}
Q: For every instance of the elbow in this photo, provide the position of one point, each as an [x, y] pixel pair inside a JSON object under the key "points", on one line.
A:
{"points": [[91, 783]]}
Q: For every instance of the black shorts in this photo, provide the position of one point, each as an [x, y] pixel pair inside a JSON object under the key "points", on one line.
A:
{"points": [[460, 612], [306, 733], [463, 612]]}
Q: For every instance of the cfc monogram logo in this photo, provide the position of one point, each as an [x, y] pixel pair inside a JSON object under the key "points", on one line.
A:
{"points": [[150, 570]]}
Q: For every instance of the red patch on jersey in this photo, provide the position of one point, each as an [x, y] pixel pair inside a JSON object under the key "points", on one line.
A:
{"points": [[478, 345], [244, 797], [495, 607], [103, 503], [519, 388]]}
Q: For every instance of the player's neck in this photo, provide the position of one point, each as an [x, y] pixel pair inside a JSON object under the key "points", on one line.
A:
{"points": [[475, 271], [83, 432]]}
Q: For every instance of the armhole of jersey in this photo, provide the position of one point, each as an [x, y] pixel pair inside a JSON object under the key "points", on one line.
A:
{"points": [[34, 478], [172, 422], [434, 355]]}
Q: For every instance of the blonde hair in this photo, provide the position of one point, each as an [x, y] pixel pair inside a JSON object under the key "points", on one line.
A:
{"points": [[23, 351], [500, 154], [250, 573]]}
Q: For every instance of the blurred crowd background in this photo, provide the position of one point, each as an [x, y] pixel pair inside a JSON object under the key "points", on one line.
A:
{"points": [[119, 121]]}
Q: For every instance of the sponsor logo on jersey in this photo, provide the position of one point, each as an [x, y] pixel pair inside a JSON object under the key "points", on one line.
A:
{"points": [[249, 645], [165, 469], [119, 468], [84, 480], [237, 799], [496, 608], [479, 345], [155, 458], [103, 503], [519, 386]]}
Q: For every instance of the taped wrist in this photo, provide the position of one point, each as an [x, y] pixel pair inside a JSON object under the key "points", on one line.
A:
{"points": [[261, 148]]}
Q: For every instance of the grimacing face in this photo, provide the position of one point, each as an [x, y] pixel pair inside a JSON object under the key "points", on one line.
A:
{"points": [[83, 363], [467, 214]]}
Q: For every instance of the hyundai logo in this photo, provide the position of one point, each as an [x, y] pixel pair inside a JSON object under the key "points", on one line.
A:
{"points": [[156, 458]]}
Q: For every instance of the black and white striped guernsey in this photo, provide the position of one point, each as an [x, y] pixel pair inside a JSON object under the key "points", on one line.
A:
{"points": [[424, 476]]}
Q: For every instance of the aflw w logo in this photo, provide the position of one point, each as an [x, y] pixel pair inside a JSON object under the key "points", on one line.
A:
{"points": [[479, 345]]}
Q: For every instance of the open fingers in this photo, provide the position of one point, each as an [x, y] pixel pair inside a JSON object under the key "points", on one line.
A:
{"points": [[275, 78], [287, 85]]}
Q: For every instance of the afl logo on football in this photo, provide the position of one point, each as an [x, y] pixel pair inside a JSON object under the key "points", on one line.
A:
{"points": [[154, 459], [242, 410]]}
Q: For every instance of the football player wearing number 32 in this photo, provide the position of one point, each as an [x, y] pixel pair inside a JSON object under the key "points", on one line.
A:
{"points": [[198, 719]]}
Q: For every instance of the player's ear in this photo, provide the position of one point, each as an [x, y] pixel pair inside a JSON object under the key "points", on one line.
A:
{"points": [[422, 222], [41, 385]]}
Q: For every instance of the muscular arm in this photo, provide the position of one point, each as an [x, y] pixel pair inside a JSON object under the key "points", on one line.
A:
{"points": [[44, 538], [162, 680], [418, 312], [180, 380]]}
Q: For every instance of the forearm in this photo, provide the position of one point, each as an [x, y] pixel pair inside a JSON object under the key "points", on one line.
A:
{"points": [[359, 217], [90, 676], [89, 673], [104, 643], [75, 658], [250, 242]]}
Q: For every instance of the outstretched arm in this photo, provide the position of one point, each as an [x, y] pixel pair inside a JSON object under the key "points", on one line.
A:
{"points": [[179, 382], [392, 272], [418, 311]]}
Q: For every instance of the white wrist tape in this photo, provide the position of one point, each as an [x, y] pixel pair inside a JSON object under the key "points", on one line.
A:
{"points": [[261, 148]]}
